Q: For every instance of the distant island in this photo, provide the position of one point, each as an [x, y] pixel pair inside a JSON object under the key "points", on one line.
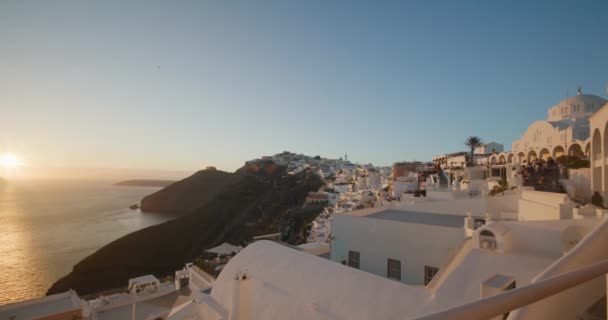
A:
{"points": [[144, 183]]}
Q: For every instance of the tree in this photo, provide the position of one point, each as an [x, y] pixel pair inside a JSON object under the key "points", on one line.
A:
{"points": [[473, 142]]}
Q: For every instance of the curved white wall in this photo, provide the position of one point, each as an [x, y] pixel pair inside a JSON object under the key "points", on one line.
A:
{"points": [[572, 302]]}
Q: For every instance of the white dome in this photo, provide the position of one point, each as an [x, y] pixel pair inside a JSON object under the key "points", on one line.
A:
{"points": [[579, 106], [583, 99]]}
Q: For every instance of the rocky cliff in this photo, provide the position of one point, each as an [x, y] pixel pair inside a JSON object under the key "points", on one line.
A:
{"points": [[215, 207], [190, 194]]}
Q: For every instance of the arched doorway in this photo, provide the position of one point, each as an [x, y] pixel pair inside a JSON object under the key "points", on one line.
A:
{"points": [[575, 150], [502, 159], [545, 154], [532, 156], [487, 240], [510, 158], [493, 160], [521, 157], [558, 152]]}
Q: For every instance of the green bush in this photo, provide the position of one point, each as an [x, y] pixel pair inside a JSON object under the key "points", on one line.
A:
{"points": [[573, 162]]}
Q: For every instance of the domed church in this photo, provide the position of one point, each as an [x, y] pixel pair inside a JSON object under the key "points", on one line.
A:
{"points": [[565, 132]]}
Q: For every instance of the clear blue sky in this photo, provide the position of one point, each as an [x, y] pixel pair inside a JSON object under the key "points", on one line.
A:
{"points": [[182, 84]]}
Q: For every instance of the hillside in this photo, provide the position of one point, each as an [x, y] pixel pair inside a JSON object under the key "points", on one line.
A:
{"points": [[144, 183], [190, 194], [233, 208]]}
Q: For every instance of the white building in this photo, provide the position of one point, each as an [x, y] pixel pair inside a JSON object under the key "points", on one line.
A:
{"points": [[415, 235], [408, 184], [406, 246], [143, 286], [599, 153], [565, 132], [451, 160], [459, 160], [490, 147], [62, 306]]}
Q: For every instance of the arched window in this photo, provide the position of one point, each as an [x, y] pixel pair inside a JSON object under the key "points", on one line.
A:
{"points": [[487, 240]]}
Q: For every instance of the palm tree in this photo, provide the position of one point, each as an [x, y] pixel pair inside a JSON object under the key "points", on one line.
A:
{"points": [[473, 142]]}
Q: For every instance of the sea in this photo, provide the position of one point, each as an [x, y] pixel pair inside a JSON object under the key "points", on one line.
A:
{"points": [[47, 226]]}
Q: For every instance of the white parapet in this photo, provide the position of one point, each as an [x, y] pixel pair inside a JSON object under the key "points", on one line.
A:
{"points": [[539, 205]]}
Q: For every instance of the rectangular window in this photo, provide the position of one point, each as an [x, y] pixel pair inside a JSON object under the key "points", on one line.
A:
{"points": [[393, 269], [495, 172], [353, 259], [429, 273]]}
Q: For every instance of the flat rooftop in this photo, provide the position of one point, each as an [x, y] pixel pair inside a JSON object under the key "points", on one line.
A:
{"points": [[428, 218], [147, 308], [41, 307]]}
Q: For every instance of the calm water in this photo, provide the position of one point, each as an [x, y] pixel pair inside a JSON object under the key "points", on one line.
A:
{"points": [[48, 226]]}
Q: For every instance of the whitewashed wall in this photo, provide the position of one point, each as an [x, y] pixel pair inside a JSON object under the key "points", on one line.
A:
{"points": [[415, 245], [571, 303], [538, 205]]}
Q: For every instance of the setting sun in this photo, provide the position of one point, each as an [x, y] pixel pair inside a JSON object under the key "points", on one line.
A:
{"points": [[9, 160]]}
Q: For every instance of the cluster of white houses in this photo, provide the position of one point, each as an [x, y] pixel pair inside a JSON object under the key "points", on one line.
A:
{"points": [[459, 160], [454, 254]]}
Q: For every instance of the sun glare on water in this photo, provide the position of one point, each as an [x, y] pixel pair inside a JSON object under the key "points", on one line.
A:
{"points": [[9, 161]]}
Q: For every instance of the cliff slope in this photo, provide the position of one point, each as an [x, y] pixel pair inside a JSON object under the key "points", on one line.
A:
{"points": [[246, 204], [189, 194]]}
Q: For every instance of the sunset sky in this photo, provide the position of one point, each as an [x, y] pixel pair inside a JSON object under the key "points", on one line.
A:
{"points": [[178, 85]]}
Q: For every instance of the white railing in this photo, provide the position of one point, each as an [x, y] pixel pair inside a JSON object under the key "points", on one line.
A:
{"points": [[508, 301]]}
